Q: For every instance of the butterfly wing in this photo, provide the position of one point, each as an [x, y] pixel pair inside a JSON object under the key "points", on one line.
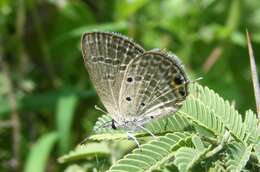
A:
{"points": [[106, 56], [158, 86]]}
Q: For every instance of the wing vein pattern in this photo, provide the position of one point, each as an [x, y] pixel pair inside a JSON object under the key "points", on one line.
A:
{"points": [[106, 56]]}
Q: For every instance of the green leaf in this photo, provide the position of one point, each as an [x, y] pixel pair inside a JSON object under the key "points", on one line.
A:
{"points": [[91, 150], [42, 100], [257, 150], [173, 123], [233, 17], [5, 107], [77, 32], [130, 7], [251, 124], [65, 110], [74, 168], [213, 111], [152, 155], [238, 155], [101, 124], [218, 166], [39, 154], [198, 143], [200, 112], [108, 136], [187, 157]]}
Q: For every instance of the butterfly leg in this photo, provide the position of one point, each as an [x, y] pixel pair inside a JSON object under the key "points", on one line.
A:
{"points": [[132, 137], [148, 131]]}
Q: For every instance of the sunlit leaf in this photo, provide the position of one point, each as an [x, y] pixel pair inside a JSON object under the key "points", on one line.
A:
{"points": [[89, 151], [65, 110], [238, 155], [37, 157]]}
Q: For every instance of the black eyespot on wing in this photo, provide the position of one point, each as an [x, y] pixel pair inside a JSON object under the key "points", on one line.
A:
{"points": [[142, 104], [129, 79], [128, 98], [182, 92], [151, 117], [178, 80]]}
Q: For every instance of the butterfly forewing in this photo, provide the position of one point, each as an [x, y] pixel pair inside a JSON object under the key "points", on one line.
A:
{"points": [[158, 86], [106, 56]]}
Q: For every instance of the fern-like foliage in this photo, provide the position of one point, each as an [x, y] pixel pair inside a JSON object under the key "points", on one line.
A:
{"points": [[206, 133], [187, 157], [238, 155], [173, 123], [252, 128], [222, 110], [218, 166], [152, 155], [202, 115], [257, 150]]}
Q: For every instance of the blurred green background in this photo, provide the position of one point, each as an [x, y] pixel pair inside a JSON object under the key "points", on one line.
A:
{"points": [[46, 98]]}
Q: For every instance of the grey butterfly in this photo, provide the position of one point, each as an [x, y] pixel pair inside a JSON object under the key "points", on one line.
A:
{"points": [[135, 85]]}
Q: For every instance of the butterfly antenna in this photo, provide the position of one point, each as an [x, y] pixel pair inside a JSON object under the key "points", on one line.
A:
{"points": [[100, 109], [190, 81], [197, 79]]}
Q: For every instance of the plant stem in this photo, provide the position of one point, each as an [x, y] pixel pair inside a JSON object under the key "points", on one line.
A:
{"points": [[220, 146], [15, 122], [254, 74]]}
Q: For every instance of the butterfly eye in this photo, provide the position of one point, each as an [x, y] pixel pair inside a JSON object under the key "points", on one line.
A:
{"points": [[128, 98], [129, 79], [178, 80], [142, 104]]}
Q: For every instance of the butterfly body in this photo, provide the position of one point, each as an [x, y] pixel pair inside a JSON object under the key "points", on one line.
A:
{"points": [[135, 85]]}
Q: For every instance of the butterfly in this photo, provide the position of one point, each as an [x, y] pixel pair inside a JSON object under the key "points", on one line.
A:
{"points": [[135, 85]]}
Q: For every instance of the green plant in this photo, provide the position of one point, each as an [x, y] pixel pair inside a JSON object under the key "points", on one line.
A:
{"points": [[207, 133]]}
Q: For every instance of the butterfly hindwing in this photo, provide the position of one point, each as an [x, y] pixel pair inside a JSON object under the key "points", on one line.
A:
{"points": [[154, 85], [106, 56]]}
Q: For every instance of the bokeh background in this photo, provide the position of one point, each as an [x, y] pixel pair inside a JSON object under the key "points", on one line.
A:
{"points": [[46, 98]]}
